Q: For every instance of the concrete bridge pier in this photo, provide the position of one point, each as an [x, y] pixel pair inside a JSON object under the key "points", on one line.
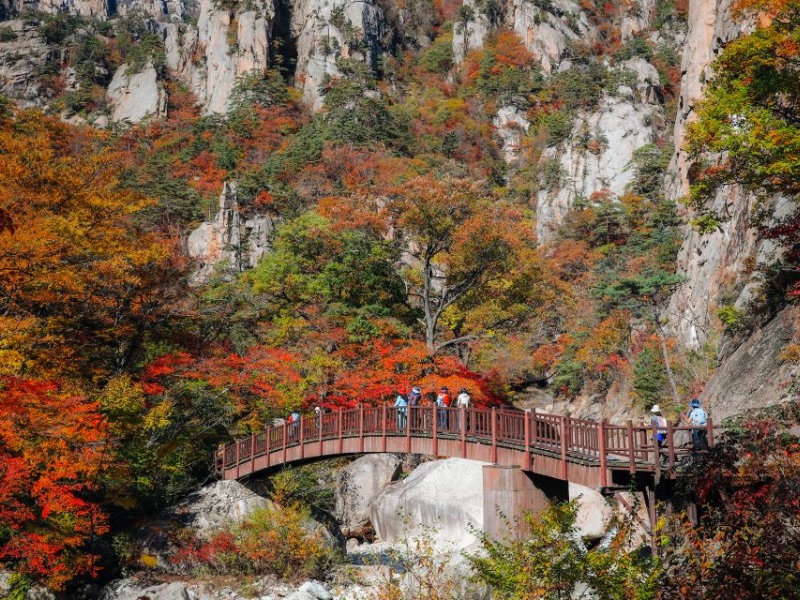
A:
{"points": [[508, 494]]}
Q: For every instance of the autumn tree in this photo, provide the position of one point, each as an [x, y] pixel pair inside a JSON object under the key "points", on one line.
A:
{"points": [[747, 130], [454, 241], [747, 487], [79, 286], [53, 449]]}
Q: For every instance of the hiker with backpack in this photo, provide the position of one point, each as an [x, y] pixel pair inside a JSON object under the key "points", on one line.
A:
{"points": [[401, 404], [698, 419], [463, 399], [414, 400], [443, 402], [659, 423]]}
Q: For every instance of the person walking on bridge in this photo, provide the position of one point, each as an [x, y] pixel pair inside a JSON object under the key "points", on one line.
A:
{"points": [[659, 423], [401, 404], [463, 399], [443, 402], [697, 418]]}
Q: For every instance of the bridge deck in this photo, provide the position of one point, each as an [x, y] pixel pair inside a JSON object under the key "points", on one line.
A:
{"points": [[577, 450]]}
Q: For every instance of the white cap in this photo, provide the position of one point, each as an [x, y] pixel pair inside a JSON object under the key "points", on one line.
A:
{"points": [[656, 408]]}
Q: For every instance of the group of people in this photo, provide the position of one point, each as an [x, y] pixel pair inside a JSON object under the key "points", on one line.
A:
{"points": [[442, 400], [696, 417]]}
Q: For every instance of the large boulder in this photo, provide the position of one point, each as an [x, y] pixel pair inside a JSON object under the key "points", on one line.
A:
{"points": [[359, 483], [594, 511], [218, 505], [136, 96], [442, 499]]}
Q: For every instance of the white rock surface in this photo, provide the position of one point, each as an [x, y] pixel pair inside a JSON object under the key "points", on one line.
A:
{"points": [[622, 127], [594, 511], [545, 33], [217, 505], [224, 47], [327, 30], [441, 498], [511, 127], [19, 77], [136, 96], [470, 35], [230, 239], [359, 484]]}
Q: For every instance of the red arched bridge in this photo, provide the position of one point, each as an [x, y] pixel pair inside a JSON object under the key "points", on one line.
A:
{"points": [[595, 454]]}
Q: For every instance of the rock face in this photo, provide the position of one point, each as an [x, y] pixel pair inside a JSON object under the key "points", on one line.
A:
{"points": [[546, 33], [470, 32], [216, 505], [443, 498], [330, 29], [136, 96], [135, 589], [711, 260], [613, 133], [225, 46], [231, 239], [594, 511], [757, 374], [358, 485], [19, 76], [511, 127]]}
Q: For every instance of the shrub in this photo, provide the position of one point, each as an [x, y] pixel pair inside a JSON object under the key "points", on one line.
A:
{"points": [[279, 540]]}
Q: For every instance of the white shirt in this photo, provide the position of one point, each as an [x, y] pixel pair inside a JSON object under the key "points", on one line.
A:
{"points": [[463, 399]]}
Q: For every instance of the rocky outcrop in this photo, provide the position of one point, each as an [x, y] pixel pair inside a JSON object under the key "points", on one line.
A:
{"points": [[595, 159], [760, 372], [232, 241], [97, 9], [511, 127], [442, 498], [720, 258], [359, 483], [266, 589], [547, 27], [225, 46], [469, 32], [136, 96], [217, 505], [327, 30], [21, 58], [594, 511]]}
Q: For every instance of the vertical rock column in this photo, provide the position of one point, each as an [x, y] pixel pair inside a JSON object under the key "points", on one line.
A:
{"points": [[507, 495]]}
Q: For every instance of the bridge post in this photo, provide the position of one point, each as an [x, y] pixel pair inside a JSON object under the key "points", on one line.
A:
{"points": [[564, 442], [361, 428], [301, 438], [285, 440], [709, 432], [252, 453], [463, 410], [321, 419], [383, 429], [631, 454], [408, 428], [238, 454], [435, 430], [507, 495], [601, 444], [670, 444], [656, 453], [494, 435], [341, 442], [269, 440], [528, 464]]}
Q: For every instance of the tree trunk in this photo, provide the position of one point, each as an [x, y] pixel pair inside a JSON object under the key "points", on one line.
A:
{"points": [[670, 376]]}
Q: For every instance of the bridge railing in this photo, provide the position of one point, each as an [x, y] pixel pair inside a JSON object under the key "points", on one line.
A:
{"points": [[634, 447]]}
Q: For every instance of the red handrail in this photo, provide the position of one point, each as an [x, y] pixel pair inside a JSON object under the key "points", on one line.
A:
{"points": [[622, 446]]}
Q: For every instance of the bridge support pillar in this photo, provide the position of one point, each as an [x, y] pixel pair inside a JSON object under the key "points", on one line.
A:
{"points": [[507, 495]]}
